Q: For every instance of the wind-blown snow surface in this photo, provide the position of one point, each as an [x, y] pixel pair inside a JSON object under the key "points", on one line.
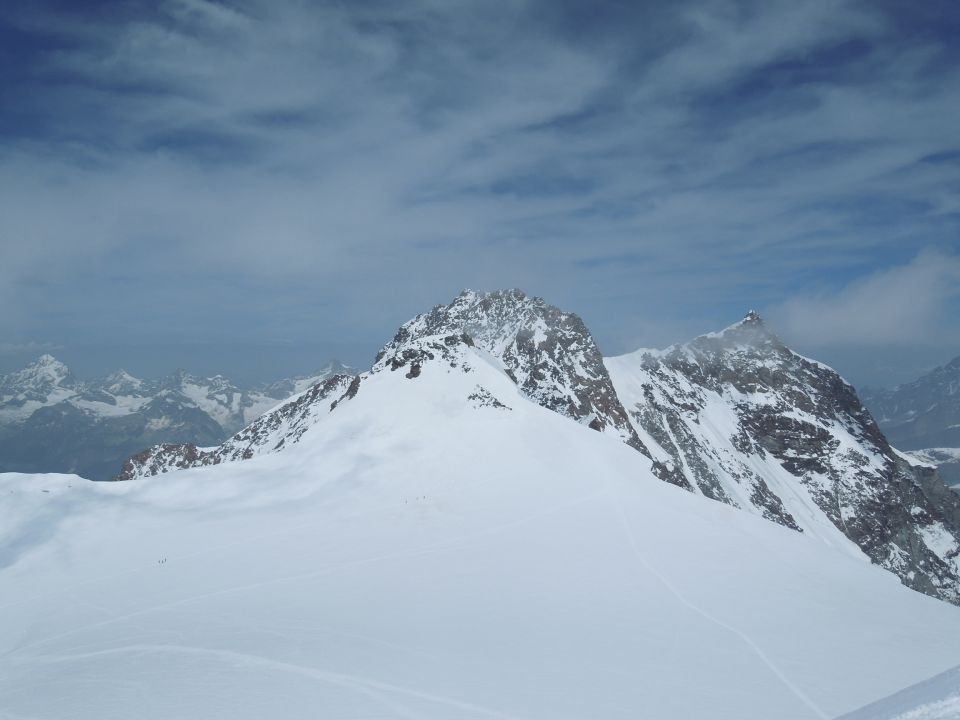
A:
{"points": [[425, 552], [935, 699]]}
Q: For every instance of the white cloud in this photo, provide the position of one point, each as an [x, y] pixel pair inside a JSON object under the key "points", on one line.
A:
{"points": [[911, 304]]}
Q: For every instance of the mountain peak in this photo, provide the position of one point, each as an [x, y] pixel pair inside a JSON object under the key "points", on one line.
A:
{"points": [[46, 366], [750, 332], [44, 378], [120, 381], [47, 359], [548, 352], [47, 362]]}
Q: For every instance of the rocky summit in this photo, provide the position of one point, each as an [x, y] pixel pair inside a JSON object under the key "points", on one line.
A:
{"points": [[549, 353]]}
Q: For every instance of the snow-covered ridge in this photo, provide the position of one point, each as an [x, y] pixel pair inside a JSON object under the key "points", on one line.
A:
{"points": [[286, 424], [269, 433]]}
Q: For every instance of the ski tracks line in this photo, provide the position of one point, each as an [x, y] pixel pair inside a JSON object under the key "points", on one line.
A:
{"points": [[764, 658], [377, 689]]}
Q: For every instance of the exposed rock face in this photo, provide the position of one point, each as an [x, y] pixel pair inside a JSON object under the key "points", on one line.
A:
{"points": [[549, 353], [750, 423], [268, 433]]}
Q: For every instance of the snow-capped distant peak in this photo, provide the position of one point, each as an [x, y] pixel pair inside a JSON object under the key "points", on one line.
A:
{"points": [[37, 380], [47, 360], [122, 382], [46, 366]]}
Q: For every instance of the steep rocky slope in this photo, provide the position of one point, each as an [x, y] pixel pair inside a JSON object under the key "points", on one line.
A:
{"points": [[549, 353], [752, 424]]}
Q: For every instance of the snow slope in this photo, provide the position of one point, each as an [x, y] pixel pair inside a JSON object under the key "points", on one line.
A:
{"points": [[935, 699], [438, 546]]}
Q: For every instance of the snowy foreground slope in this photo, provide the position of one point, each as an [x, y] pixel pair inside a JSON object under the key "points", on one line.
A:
{"points": [[438, 546]]}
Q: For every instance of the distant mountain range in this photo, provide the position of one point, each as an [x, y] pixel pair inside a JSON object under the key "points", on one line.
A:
{"points": [[52, 421], [923, 416]]}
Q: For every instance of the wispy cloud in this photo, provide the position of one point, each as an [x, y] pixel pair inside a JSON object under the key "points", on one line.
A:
{"points": [[282, 169], [903, 306], [27, 348]]}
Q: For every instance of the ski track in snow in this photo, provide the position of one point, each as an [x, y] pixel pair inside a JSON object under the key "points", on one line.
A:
{"points": [[772, 666], [368, 686]]}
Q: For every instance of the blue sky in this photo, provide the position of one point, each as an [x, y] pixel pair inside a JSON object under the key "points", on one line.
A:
{"points": [[254, 187]]}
